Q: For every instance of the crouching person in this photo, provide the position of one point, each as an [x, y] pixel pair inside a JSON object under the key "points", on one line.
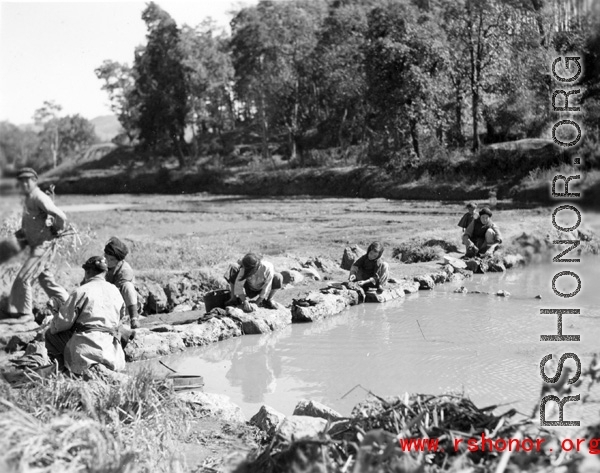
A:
{"points": [[253, 279], [121, 275], [370, 271], [482, 236], [85, 332]]}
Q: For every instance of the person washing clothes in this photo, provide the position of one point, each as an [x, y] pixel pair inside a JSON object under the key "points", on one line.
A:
{"points": [[253, 279], [482, 236], [370, 271]]}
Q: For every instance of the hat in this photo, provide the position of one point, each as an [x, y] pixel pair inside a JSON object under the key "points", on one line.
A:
{"points": [[26, 173], [250, 264], [250, 261], [485, 211], [97, 263], [471, 205], [115, 247]]}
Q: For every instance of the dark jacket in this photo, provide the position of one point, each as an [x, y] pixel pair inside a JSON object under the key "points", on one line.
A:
{"points": [[466, 219], [369, 268], [122, 277], [476, 230]]}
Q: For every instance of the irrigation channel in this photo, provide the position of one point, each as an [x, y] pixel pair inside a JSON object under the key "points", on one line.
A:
{"points": [[483, 345]]}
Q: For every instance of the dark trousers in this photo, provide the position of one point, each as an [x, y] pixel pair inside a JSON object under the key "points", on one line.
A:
{"points": [[56, 344]]}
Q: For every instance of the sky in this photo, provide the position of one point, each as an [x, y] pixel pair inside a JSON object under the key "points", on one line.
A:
{"points": [[49, 50]]}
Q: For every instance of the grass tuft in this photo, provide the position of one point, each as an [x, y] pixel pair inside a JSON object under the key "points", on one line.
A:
{"points": [[105, 424], [418, 250]]}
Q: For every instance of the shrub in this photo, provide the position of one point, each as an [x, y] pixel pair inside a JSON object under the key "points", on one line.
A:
{"points": [[417, 251]]}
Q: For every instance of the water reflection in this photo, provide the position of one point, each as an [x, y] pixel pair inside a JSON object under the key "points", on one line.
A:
{"points": [[433, 342], [255, 370]]}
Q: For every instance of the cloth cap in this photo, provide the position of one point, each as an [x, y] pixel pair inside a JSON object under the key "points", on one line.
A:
{"points": [[250, 264], [250, 261], [97, 263], [471, 205], [485, 211], [116, 248], [26, 173]]}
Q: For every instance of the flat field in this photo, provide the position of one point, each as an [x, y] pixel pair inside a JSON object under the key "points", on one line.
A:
{"points": [[171, 234]]}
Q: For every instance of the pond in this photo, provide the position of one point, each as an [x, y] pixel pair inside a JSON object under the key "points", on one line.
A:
{"points": [[431, 342]]}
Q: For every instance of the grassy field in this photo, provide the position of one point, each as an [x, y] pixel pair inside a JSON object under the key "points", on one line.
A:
{"points": [[168, 234]]}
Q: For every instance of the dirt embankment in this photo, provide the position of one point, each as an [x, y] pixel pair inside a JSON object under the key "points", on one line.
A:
{"points": [[508, 171], [363, 182]]}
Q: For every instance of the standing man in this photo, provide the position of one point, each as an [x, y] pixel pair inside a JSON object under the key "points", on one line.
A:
{"points": [[121, 275], [253, 278], [86, 330], [41, 222]]}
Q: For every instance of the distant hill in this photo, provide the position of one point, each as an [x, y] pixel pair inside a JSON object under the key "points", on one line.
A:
{"points": [[107, 127]]}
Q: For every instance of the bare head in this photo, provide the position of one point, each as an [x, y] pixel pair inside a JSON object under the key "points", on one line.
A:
{"points": [[375, 250], [485, 215]]}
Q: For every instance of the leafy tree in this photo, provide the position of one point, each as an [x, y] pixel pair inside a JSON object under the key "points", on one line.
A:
{"points": [[76, 135], [405, 62], [18, 147], [518, 85], [61, 137], [338, 66], [209, 75], [119, 83], [47, 117], [479, 31], [271, 46], [160, 85]]}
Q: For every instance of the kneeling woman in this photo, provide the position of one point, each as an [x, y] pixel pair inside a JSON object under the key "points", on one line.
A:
{"points": [[370, 271]]}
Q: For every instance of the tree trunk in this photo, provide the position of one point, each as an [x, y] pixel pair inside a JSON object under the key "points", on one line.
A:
{"points": [[458, 111], [414, 135], [54, 149], [475, 114], [476, 57], [293, 129], [341, 129], [264, 126], [176, 139], [293, 147], [195, 144]]}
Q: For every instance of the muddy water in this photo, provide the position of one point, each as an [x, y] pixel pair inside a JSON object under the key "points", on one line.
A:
{"points": [[485, 346]]}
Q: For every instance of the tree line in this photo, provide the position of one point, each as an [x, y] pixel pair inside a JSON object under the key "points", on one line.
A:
{"points": [[52, 139], [399, 80]]}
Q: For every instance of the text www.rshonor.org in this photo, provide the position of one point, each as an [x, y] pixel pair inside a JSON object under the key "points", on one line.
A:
{"points": [[484, 444]]}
